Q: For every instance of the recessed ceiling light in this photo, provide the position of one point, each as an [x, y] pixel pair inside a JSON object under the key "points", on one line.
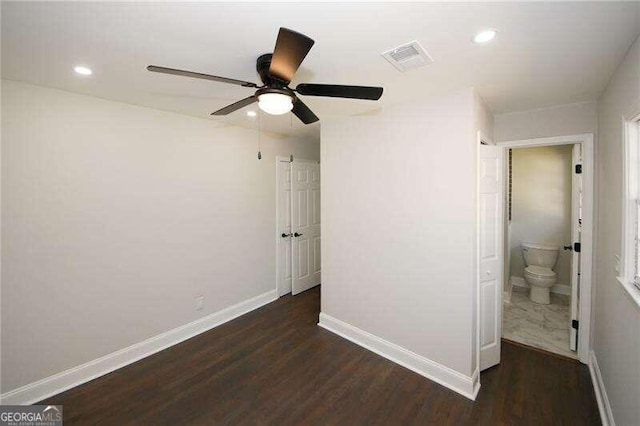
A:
{"points": [[251, 113], [484, 36], [82, 70]]}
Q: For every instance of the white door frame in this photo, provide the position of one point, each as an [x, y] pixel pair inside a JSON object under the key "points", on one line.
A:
{"points": [[586, 258], [279, 159]]}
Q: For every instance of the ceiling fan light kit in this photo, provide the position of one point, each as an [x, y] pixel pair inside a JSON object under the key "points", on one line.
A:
{"points": [[276, 70], [275, 101]]}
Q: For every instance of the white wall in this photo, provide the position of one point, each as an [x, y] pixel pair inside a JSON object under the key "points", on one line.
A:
{"points": [[617, 317], [483, 119], [571, 119], [399, 226], [114, 217], [541, 204]]}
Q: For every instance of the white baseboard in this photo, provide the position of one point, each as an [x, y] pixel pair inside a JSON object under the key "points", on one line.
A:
{"points": [[458, 382], [561, 289], [518, 282], [606, 415], [475, 380], [557, 289], [52, 385]]}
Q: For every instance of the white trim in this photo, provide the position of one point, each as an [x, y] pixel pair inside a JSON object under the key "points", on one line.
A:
{"points": [[475, 380], [555, 140], [557, 288], [458, 382], [606, 415], [630, 292], [60, 382], [630, 193], [484, 138], [479, 140], [518, 282], [302, 160], [279, 159], [586, 260], [561, 289]]}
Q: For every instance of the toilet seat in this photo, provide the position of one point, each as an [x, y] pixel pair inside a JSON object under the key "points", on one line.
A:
{"points": [[539, 272]]}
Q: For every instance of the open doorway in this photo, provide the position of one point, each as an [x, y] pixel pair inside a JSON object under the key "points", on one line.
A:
{"points": [[542, 237], [298, 225], [534, 278]]}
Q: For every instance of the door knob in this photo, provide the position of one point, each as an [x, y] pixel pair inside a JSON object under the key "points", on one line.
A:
{"points": [[568, 247], [295, 234], [284, 235]]}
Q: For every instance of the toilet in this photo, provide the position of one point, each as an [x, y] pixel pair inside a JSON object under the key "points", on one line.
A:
{"points": [[540, 260]]}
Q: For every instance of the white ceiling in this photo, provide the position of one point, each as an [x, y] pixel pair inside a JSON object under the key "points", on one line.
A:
{"points": [[545, 53]]}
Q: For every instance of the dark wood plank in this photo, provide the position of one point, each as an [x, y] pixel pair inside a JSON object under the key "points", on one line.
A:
{"points": [[276, 366]]}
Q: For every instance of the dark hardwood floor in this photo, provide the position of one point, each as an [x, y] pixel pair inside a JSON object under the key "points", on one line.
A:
{"points": [[276, 366]]}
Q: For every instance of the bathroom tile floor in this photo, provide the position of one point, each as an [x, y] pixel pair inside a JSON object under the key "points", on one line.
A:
{"points": [[541, 326]]}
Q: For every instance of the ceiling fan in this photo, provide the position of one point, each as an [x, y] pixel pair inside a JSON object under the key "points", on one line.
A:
{"points": [[276, 71]]}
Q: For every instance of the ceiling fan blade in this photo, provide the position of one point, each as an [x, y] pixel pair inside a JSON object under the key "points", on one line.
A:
{"points": [[291, 49], [183, 73], [338, 91], [236, 106], [303, 112]]}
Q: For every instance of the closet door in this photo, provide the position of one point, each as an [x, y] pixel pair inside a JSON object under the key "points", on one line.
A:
{"points": [[490, 252], [305, 225]]}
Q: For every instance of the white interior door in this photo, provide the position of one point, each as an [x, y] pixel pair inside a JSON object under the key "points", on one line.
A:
{"points": [[576, 231], [283, 268], [305, 225], [490, 253]]}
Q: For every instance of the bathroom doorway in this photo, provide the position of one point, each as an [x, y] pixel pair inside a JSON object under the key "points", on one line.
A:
{"points": [[543, 203], [546, 232]]}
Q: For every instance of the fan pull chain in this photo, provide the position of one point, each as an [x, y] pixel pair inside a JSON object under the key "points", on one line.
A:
{"points": [[259, 133]]}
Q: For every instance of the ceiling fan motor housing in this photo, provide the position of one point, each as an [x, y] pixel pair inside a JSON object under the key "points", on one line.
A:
{"points": [[280, 90], [262, 66]]}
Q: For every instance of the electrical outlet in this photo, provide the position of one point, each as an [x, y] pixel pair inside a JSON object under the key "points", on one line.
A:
{"points": [[199, 303]]}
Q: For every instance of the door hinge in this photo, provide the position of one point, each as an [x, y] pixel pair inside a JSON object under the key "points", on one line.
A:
{"points": [[576, 247], [578, 169], [575, 324]]}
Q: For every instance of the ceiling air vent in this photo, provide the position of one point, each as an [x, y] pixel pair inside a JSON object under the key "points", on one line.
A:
{"points": [[408, 56]]}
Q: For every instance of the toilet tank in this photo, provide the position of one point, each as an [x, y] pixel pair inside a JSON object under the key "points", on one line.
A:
{"points": [[540, 255]]}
